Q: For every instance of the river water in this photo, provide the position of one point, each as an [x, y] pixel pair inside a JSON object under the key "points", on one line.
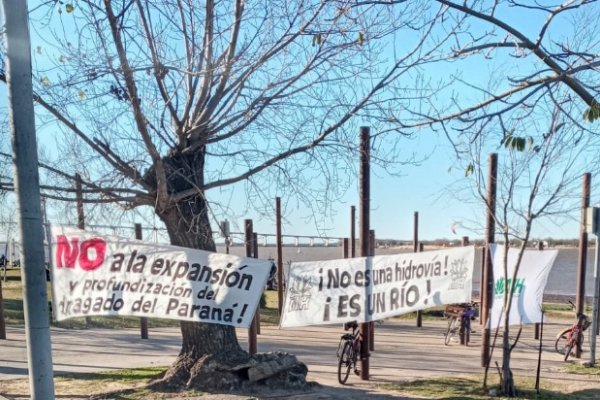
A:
{"points": [[562, 279]]}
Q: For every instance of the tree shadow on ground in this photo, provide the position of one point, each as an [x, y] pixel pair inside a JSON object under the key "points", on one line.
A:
{"points": [[313, 392]]}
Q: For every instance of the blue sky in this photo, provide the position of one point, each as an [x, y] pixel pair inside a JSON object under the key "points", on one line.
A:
{"points": [[433, 187]]}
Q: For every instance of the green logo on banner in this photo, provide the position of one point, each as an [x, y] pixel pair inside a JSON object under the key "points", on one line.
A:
{"points": [[503, 284]]}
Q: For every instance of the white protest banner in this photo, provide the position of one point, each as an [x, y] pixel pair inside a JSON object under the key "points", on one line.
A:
{"points": [[106, 275], [529, 284], [372, 288]]}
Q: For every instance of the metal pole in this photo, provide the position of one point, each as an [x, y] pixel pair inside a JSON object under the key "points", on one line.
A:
{"points": [[583, 239], [27, 189], [415, 250], [364, 194], [248, 237], [352, 231], [143, 320], [488, 272], [595, 308], [279, 241]]}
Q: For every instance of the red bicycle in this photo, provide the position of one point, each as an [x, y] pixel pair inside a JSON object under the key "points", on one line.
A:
{"points": [[572, 338]]}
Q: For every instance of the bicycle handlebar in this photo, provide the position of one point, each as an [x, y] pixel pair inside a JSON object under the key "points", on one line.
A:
{"points": [[350, 325]]}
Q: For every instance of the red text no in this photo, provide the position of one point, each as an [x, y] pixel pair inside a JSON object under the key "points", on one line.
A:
{"points": [[90, 253]]}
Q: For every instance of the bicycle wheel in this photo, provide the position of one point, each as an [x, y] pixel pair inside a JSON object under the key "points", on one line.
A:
{"points": [[345, 362], [560, 344], [568, 349], [452, 329]]}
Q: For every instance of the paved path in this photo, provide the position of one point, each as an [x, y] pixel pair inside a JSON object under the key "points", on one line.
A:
{"points": [[402, 351]]}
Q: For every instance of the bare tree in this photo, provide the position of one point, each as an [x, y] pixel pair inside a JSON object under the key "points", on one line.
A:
{"points": [[162, 102], [539, 51], [540, 165], [545, 58]]}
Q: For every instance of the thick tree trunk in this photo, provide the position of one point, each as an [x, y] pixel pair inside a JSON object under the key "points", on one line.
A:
{"points": [[211, 358], [508, 384]]}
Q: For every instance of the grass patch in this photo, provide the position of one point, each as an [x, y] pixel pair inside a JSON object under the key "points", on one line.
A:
{"points": [[113, 323], [269, 314], [470, 389], [121, 375], [125, 384], [447, 388], [577, 368]]}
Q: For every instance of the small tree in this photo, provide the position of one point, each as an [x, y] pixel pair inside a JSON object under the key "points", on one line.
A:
{"points": [[538, 170]]}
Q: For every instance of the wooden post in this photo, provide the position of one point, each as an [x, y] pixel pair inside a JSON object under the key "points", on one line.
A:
{"points": [[80, 217], [2, 323], [143, 320], [79, 197], [415, 250], [345, 247], [255, 253], [536, 333], [248, 238], [583, 248], [372, 324], [364, 194], [488, 273], [279, 241], [463, 335], [481, 269], [352, 231]]}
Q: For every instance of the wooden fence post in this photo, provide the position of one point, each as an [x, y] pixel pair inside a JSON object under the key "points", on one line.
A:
{"points": [[279, 241], [488, 273], [80, 217], [255, 254], [365, 201], [372, 324], [415, 250], [143, 320], [249, 239]]}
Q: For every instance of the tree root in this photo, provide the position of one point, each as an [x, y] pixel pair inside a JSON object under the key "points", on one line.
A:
{"points": [[207, 373]]}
